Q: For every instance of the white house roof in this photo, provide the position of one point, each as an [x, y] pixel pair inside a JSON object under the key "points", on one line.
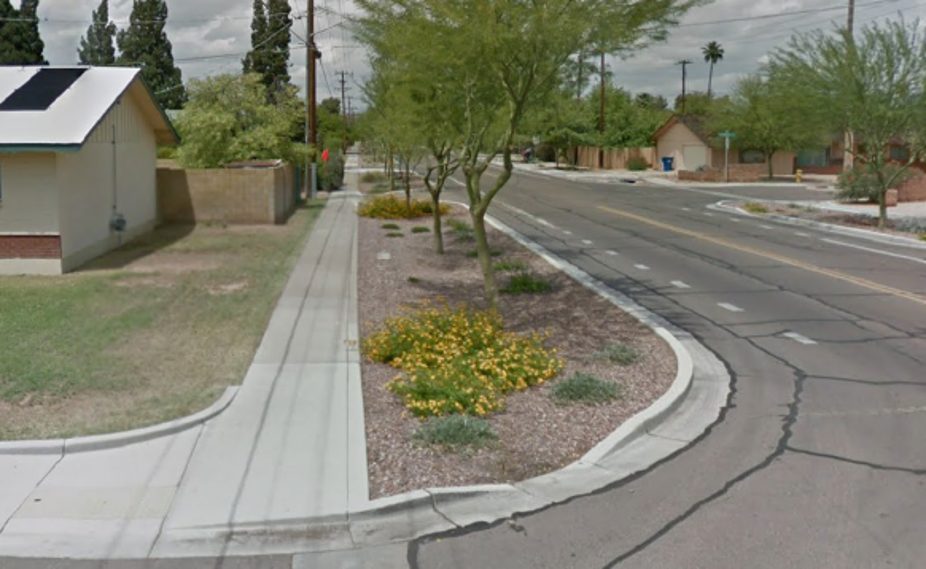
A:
{"points": [[59, 107]]}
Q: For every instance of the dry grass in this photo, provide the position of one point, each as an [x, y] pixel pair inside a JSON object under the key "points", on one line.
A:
{"points": [[148, 333]]}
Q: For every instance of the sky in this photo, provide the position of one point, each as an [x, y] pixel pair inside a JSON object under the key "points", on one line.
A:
{"points": [[211, 37]]}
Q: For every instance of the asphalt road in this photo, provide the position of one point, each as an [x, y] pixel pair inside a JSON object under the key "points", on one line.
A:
{"points": [[819, 459]]}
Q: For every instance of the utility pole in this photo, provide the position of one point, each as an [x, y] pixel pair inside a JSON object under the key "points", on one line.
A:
{"points": [[684, 63], [311, 134], [601, 116], [848, 160], [343, 82]]}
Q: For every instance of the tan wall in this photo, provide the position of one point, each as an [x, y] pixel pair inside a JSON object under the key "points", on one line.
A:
{"points": [[262, 196], [782, 162], [29, 201], [615, 158], [738, 173], [672, 143], [88, 179]]}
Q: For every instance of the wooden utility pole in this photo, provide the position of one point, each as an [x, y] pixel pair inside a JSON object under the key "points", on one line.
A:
{"points": [[848, 160], [311, 134], [684, 63], [601, 123], [343, 82]]}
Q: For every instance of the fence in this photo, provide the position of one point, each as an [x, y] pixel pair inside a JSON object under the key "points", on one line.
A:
{"points": [[614, 158], [264, 195]]}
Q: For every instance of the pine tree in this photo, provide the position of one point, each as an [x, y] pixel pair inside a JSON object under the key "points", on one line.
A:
{"points": [[255, 60], [144, 44], [20, 41], [97, 47]]}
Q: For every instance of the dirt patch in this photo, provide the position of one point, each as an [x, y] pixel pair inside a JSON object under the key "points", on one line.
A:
{"points": [[167, 262], [535, 434], [226, 289]]}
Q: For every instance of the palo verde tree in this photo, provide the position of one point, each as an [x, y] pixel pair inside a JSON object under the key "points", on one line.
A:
{"points": [[144, 44], [761, 114], [873, 86], [502, 58], [97, 47]]}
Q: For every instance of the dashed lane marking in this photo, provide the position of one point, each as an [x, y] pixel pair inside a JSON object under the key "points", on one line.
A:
{"points": [[799, 338], [680, 284], [730, 307], [642, 267]]}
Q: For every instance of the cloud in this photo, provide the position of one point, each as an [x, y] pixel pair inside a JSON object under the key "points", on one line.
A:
{"points": [[222, 28]]}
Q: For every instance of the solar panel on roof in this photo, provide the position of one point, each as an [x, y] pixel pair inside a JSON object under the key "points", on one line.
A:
{"points": [[42, 90]]}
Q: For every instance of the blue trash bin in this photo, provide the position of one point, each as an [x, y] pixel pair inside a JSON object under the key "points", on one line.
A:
{"points": [[667, 163]]}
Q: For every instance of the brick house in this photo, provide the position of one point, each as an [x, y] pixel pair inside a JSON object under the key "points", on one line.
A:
{"points": [[78, 155]]}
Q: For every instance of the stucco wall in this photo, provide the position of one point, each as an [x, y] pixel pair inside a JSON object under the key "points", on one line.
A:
{"points": [[259, 196], [29, 203], [672, 143], [87, 180]]}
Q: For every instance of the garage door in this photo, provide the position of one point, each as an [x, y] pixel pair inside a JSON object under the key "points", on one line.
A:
{"points": [[694, 156]]}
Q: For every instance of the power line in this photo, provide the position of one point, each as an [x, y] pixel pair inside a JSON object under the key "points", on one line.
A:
{"points": [[779, 14]]}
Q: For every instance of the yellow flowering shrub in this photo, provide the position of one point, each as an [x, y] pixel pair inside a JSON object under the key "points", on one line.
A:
{"points": [[458, 361], [392, 207]]}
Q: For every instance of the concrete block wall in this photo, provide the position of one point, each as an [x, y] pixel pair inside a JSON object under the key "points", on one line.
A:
{"points": [[738, 173], [242, 196], [615, 158], [913, 190]]}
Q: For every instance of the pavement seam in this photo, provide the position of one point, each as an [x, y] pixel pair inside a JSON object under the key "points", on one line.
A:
{"points": [[39, 483], [437, 510]]}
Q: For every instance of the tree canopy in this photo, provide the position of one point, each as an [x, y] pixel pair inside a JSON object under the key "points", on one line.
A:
{"points": [[144, 44], [20, 41], [269, 54], [97, 47]]}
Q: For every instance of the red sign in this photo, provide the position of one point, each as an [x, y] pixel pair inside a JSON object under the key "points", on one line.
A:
{"points": [[325, 156]]}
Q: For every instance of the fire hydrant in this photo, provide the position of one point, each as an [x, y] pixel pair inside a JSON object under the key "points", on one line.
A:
{"points": [[798, 174]]}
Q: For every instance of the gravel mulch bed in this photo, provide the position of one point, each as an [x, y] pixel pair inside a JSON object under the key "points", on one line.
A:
{"points": [[535, 435], [846, 219]]}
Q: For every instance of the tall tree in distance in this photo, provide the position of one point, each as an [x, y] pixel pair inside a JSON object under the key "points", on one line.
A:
{"points": [[254, 61], [97, 47], [713, 53], [144, 44], [279, 23], [20, 41]]}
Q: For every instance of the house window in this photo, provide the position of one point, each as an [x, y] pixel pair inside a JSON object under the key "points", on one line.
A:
{"points": [[900, 153], [752, 157]]}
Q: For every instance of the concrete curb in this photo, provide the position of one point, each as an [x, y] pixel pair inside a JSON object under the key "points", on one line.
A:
{"points": [[828, 227], [114, 440]]}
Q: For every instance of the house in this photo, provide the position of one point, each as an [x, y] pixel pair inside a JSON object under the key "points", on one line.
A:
{"points": [[830, 159], [78, 154], [686, 140]]}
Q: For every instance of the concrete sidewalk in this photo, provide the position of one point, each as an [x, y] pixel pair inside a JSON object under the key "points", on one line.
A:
{"points": [[290, 446]]}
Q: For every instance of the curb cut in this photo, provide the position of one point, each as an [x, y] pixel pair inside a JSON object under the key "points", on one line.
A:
{"points": [[828, 227], [124, 438]]}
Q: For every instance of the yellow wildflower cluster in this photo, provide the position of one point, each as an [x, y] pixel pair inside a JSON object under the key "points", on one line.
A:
{"points": [[391, 207], [455, 360]]}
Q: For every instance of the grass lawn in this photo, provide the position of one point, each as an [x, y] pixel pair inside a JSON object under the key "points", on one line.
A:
{"points": [[148, 333]]}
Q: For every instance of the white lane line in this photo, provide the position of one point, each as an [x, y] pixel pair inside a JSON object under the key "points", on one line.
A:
{"points": [[878, 251], [567, 232], [766, 227], [642, 267], [800, 338], [730, 307], [686, 209], [586, 241], [613, 253], [801, 234], [680, 284], [707, 213], [532, 217], [734, 220]]}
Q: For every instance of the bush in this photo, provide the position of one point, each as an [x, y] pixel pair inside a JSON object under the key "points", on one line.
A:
{"points": [[508, 266], [755, 207], [331, 174], [391, 207], [390, 226], [455, 431], [373, 177], [638, 164], [395, 234], [525, 283], [458, 361], [861, 181], [492, 253], [414, 280], [911, 225], [618, 354], [420, 229], [585, 388], [460, 227]]}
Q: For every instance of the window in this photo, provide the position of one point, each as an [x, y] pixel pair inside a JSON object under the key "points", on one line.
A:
{"points": [[900, 153], [752, 157]]}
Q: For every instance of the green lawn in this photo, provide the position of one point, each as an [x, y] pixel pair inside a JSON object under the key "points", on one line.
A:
{"points": [[148, 333]]}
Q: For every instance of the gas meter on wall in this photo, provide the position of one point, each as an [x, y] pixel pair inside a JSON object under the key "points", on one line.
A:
{"points": [[117, 223]]}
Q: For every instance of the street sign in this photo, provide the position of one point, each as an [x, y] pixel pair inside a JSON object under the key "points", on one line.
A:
{"points": [[726, 134]]}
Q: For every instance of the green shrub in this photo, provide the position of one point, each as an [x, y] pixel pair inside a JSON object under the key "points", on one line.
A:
{"points": [[373, 177], [526, 283], [390, 226], [638, 164], [755, 207], [455, 431], [459, 226], [911, 225], [618, 354], [458, 361], [395, 234], [509, 266], [420, 229], [391, 207], [414, 280], [585, 388], [922, 236], [861, 181], [492, 253], [331, 175], [167, 152]]}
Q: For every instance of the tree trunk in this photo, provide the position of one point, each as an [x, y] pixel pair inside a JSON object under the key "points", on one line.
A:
{"points": [[771, 168], [710, 81], [882, 208], [485, 259], [438, 236], [408, 189]]}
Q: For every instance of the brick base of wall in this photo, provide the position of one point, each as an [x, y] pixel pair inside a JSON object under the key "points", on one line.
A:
{"points": [[30, 246], [913, 190], [738, 173]]}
